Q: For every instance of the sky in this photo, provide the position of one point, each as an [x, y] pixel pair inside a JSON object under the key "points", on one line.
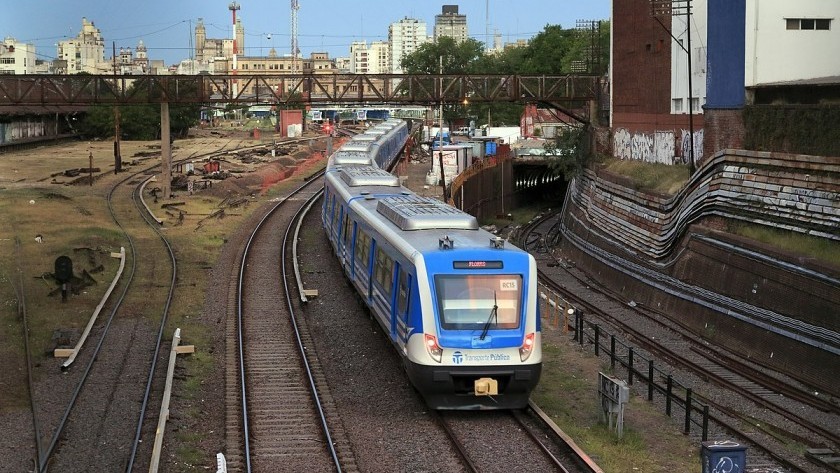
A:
{"points": [[166, 27]]}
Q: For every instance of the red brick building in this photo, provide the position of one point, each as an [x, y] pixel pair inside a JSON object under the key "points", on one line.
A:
{"points": [[641, 122]]}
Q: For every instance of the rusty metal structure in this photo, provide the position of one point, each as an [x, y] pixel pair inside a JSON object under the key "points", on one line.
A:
{"points": [[561, 90]]}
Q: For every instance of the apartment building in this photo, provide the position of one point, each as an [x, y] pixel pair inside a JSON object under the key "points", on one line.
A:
{"points": [[404, 37]]}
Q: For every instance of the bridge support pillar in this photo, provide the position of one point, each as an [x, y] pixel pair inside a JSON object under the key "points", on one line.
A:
{"points": [[165, 151]]}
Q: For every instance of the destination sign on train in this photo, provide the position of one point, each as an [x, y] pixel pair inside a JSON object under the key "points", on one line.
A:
{"points": [[477, 265]]}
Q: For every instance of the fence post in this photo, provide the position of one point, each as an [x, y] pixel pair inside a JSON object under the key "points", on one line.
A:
{"points": [[705, 422], [580, 322], [597, 337], [668, 395], [687, 427], [630, 366], [650, 379], [612, 352]]}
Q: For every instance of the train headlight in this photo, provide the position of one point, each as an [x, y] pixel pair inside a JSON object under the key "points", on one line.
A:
{"points": [[527, 346], [435, 351]]}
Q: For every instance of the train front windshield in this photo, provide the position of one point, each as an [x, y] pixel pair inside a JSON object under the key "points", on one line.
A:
{"points": [[471, 302]]}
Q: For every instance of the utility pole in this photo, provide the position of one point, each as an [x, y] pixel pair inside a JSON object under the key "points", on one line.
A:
{"points": [[165, 151], [671, 8], [234, 7], [117, 156]]}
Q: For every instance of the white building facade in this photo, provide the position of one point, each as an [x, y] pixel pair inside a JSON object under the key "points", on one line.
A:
{"points": [[680, 56], [373, 59], [788, 41], [85, 52], [404, 37], [16, 57]]}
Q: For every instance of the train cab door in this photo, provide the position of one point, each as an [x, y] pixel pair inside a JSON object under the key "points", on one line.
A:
{"points": [[400, 315]]}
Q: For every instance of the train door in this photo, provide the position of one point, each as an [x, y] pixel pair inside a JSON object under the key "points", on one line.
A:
{"points": [[335, 219], [400, 328], [361, 263], [382, 289], [346, 243]]}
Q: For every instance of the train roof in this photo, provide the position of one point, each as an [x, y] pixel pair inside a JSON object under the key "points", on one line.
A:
{"points": [[414, 212], [343, 156], [365, 176], [418, 223]]}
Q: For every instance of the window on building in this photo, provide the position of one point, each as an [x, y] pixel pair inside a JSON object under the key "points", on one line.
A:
{"points": [[678, 105], [808, 23], [695, 104]]}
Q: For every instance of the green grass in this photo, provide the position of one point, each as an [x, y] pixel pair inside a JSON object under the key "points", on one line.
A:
{"points": [[821, 249], [649, 177]]}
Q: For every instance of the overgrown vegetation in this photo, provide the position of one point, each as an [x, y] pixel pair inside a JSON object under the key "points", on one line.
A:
{"points": [[656, 178], [821, 249], [570, 151], [802, 129]]}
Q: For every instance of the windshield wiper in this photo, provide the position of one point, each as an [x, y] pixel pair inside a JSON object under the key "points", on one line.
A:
{"points": [[494, 314]]}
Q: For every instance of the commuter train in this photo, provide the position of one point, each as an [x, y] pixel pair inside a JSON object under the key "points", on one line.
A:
{"points": [[378, 146], [459, 304]]}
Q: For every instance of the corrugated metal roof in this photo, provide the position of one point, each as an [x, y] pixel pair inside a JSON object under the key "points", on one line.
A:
{"points": [[413, 212], [368, 176]]}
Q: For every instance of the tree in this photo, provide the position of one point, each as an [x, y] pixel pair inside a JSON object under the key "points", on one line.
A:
{"points": [[139, 121], [569, 152], [445, 56]]}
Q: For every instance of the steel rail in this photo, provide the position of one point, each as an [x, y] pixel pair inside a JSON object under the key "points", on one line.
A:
{"points": [[299, 215], [20, 295], [240, 340]]}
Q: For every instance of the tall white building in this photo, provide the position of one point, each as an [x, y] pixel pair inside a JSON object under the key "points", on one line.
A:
{"points": [[85, 52], [358, 57], [679, 60], [373, 59], [404, 37], [16, 58], [451, 23]]}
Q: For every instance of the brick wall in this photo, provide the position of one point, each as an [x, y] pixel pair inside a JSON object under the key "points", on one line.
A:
{"points": [[724, 128]]}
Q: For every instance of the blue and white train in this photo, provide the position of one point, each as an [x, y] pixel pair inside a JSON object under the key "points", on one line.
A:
{"points": [[459, 304], [378, 146]]}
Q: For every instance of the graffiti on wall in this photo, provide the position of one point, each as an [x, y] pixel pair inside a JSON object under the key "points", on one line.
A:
{"points": [[658, 147], [685, 150], [18, 130]]}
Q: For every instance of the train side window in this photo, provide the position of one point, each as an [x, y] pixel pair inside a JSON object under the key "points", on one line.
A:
{"points": [[383, 271], [345, 229], [362, 249], [402, 293]]}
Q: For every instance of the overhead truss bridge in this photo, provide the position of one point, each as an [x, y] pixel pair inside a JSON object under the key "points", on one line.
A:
{"points": [[310, 89]]}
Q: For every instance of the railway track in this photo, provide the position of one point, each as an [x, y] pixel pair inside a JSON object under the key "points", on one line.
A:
{"points": [[780, 404], [524, 439], [283, 403], [95, 428]]}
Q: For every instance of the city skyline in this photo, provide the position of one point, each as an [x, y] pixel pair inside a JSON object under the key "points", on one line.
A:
{"points": [[169, 34]]}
